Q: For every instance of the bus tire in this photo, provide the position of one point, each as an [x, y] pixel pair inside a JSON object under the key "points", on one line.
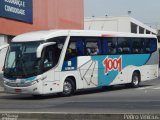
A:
{"points": [[68, 87], [135, 80]]}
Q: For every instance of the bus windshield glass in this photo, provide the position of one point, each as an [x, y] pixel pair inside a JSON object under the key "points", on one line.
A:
{"points": [[21, 60]]}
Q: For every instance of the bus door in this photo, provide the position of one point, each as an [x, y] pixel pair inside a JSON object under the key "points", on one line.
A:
{"points": [[49, 61]]}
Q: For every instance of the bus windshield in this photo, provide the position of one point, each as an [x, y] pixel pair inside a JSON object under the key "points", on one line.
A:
{"points": [[21, 60]]}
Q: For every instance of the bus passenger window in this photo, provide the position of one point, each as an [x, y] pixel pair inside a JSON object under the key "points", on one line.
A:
{"points": [[137, 45], [71, 50], [112, 49], [151, 45], [92, 46], [123, 46], [109, 45], [80, 46], [112, 46]]}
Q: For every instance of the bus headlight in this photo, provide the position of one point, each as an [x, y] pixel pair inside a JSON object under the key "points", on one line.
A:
{"points": [[33, 82]]}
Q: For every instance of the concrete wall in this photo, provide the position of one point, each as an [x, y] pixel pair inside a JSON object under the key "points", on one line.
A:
{"points": [[118, 24], [108, 25]]}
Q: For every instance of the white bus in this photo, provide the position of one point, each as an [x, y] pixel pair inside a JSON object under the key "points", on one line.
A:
{"points": [[64, 61]]}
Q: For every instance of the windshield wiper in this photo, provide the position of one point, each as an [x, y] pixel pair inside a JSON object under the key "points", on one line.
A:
{"points": [[19, 65], [21, 62]]}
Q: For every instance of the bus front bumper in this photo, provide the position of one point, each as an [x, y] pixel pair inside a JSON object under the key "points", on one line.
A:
{"points": [[35, 89]]}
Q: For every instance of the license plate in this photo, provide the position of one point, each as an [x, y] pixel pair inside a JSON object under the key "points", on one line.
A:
{"points": [[18, 90]]}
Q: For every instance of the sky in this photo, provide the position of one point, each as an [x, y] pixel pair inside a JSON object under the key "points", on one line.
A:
{"points": [[146, 11]]}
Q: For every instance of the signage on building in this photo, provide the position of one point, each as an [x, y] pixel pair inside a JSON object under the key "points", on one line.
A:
{"points": [[20, 10]]}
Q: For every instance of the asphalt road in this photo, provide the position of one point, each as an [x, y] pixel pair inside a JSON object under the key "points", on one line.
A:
{"points": [[119, 99]]}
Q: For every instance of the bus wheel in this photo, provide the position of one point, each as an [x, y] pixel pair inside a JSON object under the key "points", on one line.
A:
{"points": [[68, 87], [135, 80]]}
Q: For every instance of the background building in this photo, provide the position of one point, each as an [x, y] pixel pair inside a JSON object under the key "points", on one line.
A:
{"points": [[30, 15], [118, 24]]}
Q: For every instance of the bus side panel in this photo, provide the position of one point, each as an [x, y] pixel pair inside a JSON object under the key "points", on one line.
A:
{"points": [[72, 67], [88, 71], [105, 70], [51, 82], [150, 70], [125, 76], [75, 74], [118, 69], [84, 70]]}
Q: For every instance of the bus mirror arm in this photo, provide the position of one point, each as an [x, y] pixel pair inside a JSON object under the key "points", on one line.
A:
{"points": [[41, 47], [3, 68]]}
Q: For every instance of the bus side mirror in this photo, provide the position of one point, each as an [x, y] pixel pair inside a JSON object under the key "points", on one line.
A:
{"points": [[41, 47]]}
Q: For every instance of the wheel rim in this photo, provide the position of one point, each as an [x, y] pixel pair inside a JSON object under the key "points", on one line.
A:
{"points": [[67, 88], [135, 80]]}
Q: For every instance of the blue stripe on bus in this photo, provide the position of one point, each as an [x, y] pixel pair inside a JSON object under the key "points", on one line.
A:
{"points": [[28, 79], [31, 78]]}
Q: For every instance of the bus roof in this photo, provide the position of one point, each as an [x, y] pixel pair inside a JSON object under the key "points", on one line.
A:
{"points": [[47, 34]]}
